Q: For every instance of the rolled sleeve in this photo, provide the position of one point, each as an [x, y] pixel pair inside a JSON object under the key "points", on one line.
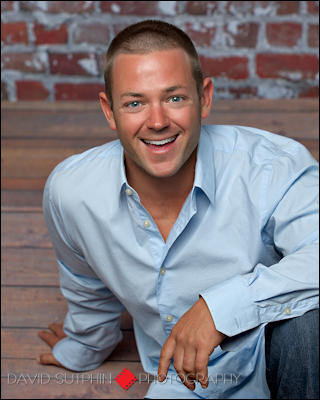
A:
{"points": [[231, 306], [92, 324], [289, 288]]}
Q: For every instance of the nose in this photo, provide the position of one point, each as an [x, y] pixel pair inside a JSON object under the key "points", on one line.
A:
{"points": [[157, 118]]}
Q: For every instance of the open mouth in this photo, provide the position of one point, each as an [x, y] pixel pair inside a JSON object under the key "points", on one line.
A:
{"points": [[160, 143]]}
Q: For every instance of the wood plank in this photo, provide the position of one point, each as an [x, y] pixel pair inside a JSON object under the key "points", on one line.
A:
{"points": [[26, 168], [21, 209], [289, 118], [39, 163], [73, 125], [298, 126], [54, 382], [23, 183], [78, 126], [87, 390], [37, 307], [14, 198], [240, 104], [32, 306], [24, 229], [25, 191], [29, 266], [54, 153], [31, 367], [20, 162], [44, 143], [25, 343]]}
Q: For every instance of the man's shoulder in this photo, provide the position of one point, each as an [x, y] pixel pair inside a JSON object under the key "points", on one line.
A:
{"points": [[93, 155], [260, 145], [84, 173]]}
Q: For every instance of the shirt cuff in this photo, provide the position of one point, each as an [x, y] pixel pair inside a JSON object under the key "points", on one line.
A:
{"points": [[75, 356], [231, 307]]}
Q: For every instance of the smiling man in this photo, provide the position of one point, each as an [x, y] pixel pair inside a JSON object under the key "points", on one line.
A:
{"points": [[207, 235]]}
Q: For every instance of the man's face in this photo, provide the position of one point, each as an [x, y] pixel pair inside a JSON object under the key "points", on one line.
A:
{"points": [[156, 111]]}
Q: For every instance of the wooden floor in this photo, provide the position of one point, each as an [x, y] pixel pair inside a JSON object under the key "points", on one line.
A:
{"points": [[36, 136]]}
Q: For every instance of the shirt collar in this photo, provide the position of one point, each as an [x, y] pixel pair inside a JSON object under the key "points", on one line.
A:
{"points": [[204, 171], [122, 181]]}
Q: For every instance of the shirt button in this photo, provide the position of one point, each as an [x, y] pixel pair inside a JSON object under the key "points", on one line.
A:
{"points": [[169, 318], [129, 192], [146, 223], [287, 310], [162, 270]]}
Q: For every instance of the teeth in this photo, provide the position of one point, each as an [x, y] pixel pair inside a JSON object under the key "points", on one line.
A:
{"points": [[160, 142]]}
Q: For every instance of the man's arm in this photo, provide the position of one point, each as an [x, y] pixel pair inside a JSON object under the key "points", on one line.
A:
{"points": [[92, 324], [283, 290], [191, 342]]}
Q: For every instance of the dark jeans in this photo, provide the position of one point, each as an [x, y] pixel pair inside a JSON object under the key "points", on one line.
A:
{"points": [[292, 357]]}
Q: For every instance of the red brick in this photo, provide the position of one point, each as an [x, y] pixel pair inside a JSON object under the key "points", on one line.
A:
{"points": [[244, 8], [24, 62], [6, 6], [311, 91], [120, 27], [236, 93], [132, 7], [46, 35], [31, 90], [287, 7], [243, 92], [74, 64], [83, 91], [242, 35], [14, 32], [284, 34], [293, 67], [4, 91], [313, 7], [91, 33], [313, 35], [201, 34], [58, 6], [201, 7], [225, 67]]}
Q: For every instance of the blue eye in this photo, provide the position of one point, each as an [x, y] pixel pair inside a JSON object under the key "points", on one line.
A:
{"points": [[134, 104], [176, 99]]}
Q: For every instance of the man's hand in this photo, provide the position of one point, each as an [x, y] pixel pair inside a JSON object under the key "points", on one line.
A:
{"points": [[191, 342], [51, 339]]}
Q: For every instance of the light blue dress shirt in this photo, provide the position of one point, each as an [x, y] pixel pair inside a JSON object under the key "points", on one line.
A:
{"points": [[246, 240]]}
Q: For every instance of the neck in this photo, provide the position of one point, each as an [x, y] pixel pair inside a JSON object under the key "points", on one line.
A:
{"points": [[160, 190]]}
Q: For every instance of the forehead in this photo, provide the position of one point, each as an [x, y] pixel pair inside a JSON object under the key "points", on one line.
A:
{"points": [[166, 68]]}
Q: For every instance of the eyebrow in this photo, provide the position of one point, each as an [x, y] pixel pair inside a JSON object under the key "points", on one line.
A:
{"points": [[167, 90]]}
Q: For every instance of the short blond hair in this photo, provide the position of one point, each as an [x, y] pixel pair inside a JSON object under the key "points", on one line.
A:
{"points": [[146, 37]]}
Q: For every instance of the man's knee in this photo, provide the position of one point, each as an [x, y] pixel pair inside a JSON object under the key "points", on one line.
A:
{"points": [[292, 356]]}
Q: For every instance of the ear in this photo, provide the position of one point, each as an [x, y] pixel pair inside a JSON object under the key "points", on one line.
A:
{"points": [[105, 105], [206, 100]]}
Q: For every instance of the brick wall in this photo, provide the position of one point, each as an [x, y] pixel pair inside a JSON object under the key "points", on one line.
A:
{"points": [[54, 50]]}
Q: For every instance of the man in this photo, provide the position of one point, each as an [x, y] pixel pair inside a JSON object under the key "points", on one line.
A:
{"points": [[206, 235]]}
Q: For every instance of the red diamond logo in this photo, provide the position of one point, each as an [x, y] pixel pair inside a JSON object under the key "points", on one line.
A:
{"points": [[126, 379]]}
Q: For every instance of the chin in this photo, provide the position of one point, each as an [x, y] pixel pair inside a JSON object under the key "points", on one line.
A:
{"points": [[162, 174]]}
